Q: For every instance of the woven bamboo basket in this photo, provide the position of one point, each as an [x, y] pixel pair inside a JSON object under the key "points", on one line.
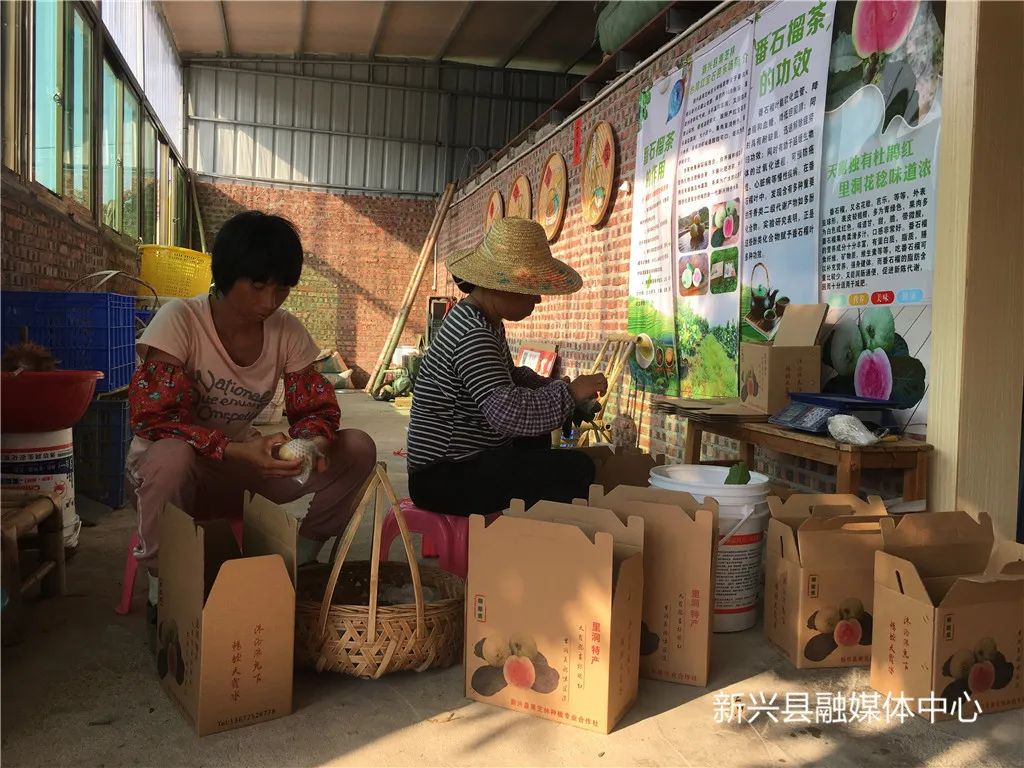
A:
{"points": [[340, 625]]}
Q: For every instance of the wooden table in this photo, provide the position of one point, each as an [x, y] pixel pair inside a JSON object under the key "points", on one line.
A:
{"points": [[910, 456]]}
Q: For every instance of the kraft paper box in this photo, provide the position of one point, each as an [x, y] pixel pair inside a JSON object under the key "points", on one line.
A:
{"points": [[949, 613], [625, 466], [791, 363], [226, 627], [553, 604], [679, 557], [819, 578]]}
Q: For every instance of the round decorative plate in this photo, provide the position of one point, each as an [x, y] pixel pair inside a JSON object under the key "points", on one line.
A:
{"points": [[551, 199], [598, 173], [520, 199], [495, 210]]}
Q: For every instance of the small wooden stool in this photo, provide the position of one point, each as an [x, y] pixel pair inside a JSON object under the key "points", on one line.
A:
{"points": [[29, 522]]}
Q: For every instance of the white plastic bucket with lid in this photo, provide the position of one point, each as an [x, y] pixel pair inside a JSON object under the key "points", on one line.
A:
{"points": [[43, 462], [742, 522]]}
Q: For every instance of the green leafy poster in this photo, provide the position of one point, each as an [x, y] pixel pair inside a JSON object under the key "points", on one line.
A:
{"points": [[880, 154], [708, 215], [651, 294]]}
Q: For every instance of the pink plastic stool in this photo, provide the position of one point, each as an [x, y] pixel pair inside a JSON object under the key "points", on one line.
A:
{"points": [[131, 567], [448, 535]]}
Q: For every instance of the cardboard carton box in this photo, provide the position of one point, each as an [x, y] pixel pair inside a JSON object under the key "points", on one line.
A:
{"points": [[819, 578], [949, 615], [679, 577], [226, 627], [553, 604], [622, 467], [792, 363]]}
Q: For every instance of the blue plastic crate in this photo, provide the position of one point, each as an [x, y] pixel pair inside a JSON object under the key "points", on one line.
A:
{"points": [[102, 438], [84, 331]]}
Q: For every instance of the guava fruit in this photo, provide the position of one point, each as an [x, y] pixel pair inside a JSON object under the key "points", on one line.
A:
{"points": [[826, 619], [873, 376], [523, 645], [985, 649], [981, 677], [519, 671], [878, 328], [729, 227], [719, 217], [495, 650], [960, 663], [547, 678], [881, 26], [851, 608], [717, 238], [845, 347], [730, 208], [847, 632], [488, 680], [698, 276]]}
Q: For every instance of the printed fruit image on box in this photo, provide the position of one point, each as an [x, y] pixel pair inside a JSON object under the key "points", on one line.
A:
{"points": [[512, 661], [169, 660], [845, 625], [976, 671]]}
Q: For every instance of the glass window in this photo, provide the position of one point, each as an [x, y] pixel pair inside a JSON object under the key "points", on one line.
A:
{"points": [[149, 183], [10, 81], [47, 95], [180, 208], [130, 164], [111, 145], [78, 113]]}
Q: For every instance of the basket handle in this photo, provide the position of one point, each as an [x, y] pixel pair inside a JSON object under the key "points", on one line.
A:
{"points": [[767, 279], [376, 483], [108, 274]]}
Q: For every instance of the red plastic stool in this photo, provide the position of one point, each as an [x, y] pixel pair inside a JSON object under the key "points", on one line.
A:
{"points": [[131, 568], [448, 535]]}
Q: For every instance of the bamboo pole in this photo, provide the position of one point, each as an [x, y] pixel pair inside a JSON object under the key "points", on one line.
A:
{"points": [[377, 379]]}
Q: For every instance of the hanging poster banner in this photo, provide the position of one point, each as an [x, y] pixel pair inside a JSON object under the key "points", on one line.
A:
{"points": [[709, 214], [651, 292], [880, 154], [792, 42]]}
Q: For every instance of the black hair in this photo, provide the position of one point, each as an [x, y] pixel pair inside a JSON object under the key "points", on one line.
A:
{"points": [[258, 246], [462, 285]]}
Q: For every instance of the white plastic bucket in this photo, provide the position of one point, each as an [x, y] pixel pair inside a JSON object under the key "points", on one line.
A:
{"points": [[742, 521], [43, 462]]}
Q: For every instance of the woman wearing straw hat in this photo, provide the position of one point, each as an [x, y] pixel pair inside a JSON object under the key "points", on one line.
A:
{"points": [[480, 430]]}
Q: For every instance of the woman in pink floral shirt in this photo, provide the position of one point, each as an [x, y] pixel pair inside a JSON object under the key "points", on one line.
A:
{"points": [[210, 366]]}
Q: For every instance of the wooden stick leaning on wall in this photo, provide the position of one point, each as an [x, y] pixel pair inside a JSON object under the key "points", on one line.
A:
{"points": [[377, 379]]}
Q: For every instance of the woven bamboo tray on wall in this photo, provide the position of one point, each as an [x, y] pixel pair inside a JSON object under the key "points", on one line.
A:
{"points": [[339, 625]]}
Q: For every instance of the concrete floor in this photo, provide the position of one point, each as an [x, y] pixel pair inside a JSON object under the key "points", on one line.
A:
{"points": [[82, 690]]}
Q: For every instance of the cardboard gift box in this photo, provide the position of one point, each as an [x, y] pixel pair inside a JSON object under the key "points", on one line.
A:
{"points": [[791, 363], [679, 578], [819, 578], [949, 615], [553, 609], [226, 619]]}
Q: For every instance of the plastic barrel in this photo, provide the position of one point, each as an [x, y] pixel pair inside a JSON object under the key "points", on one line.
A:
{"points": [[742, 521]]}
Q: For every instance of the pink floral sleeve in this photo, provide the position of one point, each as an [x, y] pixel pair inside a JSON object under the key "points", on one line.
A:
{"points": [[311, 405], [161, 405]]}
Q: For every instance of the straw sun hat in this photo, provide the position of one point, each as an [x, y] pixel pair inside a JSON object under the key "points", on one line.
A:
{"points": [[514, 256]]}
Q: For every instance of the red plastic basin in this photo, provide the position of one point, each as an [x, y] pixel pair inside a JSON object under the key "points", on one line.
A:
{"points": [[44, 402]]}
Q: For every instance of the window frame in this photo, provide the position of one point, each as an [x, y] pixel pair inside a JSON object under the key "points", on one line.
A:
{"points": [[60, 49], [91, 100]]}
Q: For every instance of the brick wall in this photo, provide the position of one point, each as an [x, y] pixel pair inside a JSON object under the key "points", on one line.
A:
{"points": [[601, 254], [47, 243], [360, 254]]}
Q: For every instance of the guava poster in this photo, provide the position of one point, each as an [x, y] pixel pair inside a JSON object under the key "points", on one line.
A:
{"points": [[708, 215], [881, 138], [792, 41], [651, 291]]}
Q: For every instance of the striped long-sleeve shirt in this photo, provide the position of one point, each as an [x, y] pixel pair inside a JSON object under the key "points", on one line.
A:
{"points": [[470, 397]]}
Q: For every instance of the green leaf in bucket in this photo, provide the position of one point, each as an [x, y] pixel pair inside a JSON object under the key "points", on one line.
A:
{"points": [[738, 474]]}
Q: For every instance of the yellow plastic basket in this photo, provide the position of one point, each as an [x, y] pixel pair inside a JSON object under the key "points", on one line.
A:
{"points": [[175, 271]]}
